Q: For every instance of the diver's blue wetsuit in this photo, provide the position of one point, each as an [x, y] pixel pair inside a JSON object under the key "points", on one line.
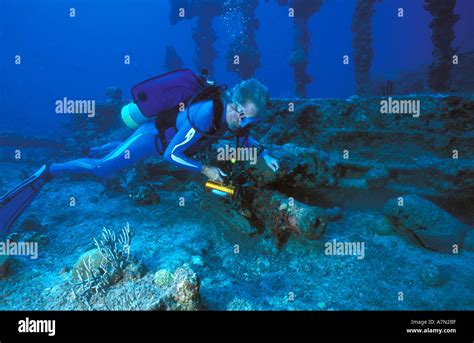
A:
{"points": [[181, 144]]}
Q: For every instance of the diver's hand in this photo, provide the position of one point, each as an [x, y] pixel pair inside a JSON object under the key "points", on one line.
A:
{"points": [[213, 173], [271, 162]]}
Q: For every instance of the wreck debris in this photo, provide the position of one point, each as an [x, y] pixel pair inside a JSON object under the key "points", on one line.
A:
{"points": [[285, 216], [315, 166], [303, 10], [333, 148], [5, 263], [362, 44], [425, 224], [387, 88], [442, 28], [146, 194], [308, 168], [203, 34]]}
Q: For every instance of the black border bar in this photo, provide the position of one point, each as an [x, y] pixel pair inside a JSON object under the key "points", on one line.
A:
{"points": [[262, 323]]}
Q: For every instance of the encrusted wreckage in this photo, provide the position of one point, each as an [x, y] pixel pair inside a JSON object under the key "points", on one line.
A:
{"points": [[337, 153], [333, 152]]}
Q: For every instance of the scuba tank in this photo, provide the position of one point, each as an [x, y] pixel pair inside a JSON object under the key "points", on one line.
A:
{"points": [[161, 94]]}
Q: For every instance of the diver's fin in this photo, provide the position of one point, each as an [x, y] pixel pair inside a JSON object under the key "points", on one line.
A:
{"points": [[15, 201]]}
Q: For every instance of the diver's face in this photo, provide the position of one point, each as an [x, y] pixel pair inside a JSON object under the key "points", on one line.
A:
{"points": [[237, 112]]}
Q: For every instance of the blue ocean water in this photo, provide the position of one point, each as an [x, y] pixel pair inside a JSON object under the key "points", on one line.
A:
{"points": [[79, 57]]}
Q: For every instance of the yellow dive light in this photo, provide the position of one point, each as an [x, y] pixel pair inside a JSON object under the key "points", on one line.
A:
{"points": [[219, 188]]}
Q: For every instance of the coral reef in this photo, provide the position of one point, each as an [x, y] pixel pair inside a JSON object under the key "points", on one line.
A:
{"points": [[185, 288], [109, 278], [131, 295], [115, 250], [181, 293], [107, 264], [163, 278], [90, 260]]}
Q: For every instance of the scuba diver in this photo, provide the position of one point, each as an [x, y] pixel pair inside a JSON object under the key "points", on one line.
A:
{"points": [[163, 128]]}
